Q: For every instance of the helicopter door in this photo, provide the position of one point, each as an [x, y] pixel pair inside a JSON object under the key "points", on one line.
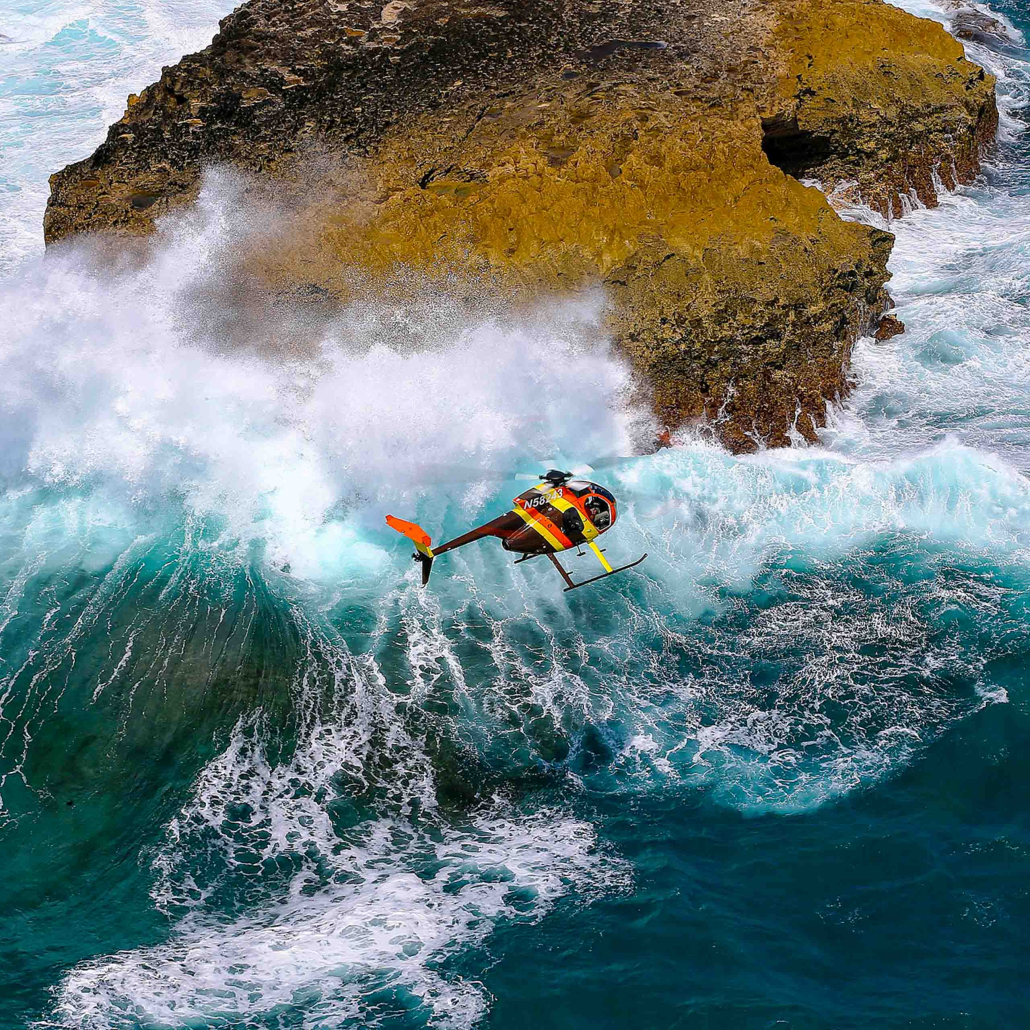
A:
{"points": [[572, 524]]}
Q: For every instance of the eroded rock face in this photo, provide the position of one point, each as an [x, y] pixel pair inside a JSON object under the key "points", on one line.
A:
{"points": [[539, 146]]}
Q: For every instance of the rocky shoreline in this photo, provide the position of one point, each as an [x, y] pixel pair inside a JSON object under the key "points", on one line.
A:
{"points": [[532, 147]]}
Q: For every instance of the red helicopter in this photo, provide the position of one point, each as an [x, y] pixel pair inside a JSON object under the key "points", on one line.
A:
{"points": [[561, 512]]}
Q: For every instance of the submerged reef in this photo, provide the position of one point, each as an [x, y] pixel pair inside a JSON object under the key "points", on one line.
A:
{"points": [[525, 148]]}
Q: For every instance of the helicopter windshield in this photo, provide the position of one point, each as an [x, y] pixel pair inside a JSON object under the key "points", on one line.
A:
{"points": [[600, 512], [579, 486]]}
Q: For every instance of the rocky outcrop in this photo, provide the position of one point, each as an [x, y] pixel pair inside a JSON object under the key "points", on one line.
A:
{"points": [[977, 27], [879, 116], [889, 327], [523, 147]]}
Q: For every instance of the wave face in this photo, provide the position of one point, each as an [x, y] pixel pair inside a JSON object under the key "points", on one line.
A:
{"points": [[251, 775]]}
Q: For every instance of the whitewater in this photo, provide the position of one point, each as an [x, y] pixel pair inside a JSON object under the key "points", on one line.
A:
{"points": [[252, 775]]}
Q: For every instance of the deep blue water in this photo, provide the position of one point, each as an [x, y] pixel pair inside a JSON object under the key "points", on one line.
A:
{"points": [[253, 776]]}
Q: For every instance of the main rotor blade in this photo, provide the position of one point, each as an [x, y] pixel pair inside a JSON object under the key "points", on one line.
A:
{"points": [[441, 472], [438, 472], [607, 461]]}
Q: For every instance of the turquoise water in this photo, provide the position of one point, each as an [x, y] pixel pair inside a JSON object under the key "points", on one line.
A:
{"points": [[252, 776]]}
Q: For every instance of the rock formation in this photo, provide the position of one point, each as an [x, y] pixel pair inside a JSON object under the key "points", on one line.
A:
{"points": [[977, 27], [878, 104], [538, 146], [889, 327]]}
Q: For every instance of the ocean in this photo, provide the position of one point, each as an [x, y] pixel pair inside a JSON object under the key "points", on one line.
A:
{"points": [[251, 775]]}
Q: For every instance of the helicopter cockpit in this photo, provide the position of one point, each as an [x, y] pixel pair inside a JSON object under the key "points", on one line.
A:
{"points": [[598, 503]]}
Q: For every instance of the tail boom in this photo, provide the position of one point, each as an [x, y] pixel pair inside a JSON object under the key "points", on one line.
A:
{"points": [[503, 526]]}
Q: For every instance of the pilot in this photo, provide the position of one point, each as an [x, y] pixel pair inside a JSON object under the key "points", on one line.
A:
{"points": [[598, 511]]}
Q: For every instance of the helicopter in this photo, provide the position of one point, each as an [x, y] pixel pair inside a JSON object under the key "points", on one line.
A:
{"points": [[561, 512]]}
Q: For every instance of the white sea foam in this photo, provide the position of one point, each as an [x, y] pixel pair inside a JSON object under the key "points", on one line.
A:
{"points": [[64, 79], [354, 951], [365, 920]]}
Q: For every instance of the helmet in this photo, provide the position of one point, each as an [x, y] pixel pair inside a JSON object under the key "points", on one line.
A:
{"points": [[599, 510]]}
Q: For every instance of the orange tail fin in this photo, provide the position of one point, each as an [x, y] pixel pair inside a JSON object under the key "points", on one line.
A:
{"points": [[412, 530], [420, 538]]}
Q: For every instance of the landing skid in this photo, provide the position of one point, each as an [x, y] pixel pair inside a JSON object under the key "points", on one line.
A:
{"points": [[572, 585]]}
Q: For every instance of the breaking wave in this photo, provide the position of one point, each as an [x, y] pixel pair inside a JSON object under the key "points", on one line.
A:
{"points": [[358, 786]]}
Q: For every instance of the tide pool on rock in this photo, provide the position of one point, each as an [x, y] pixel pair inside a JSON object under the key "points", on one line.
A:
{"points": [[252, 775]]}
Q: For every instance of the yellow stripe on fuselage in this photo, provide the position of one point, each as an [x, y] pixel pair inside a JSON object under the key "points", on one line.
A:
{"points": [[538, 525], [589, 529]]}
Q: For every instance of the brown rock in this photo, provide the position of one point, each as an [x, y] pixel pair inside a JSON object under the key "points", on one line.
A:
{"points": [[527, 147]]}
